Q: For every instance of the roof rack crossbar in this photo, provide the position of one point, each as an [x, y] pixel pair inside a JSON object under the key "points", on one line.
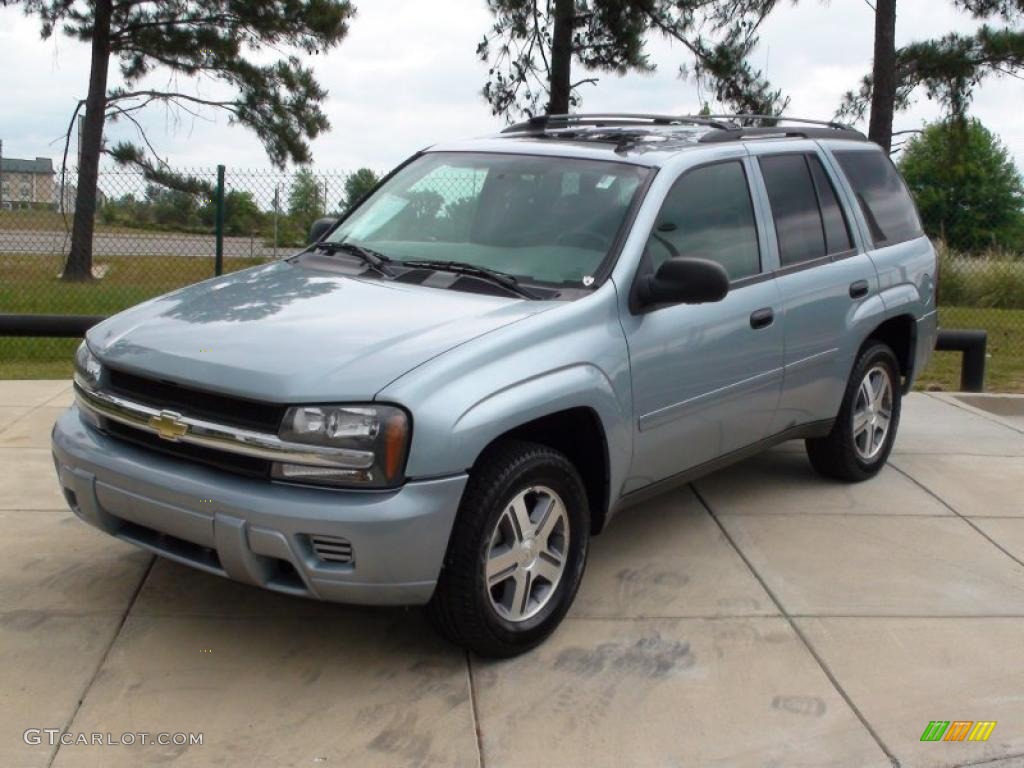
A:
{"points": [[540, 123], [783, 118], [782, 132]]}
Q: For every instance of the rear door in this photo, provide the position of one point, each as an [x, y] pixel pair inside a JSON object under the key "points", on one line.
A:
{"points": [[827, 284], [890, 225], [706, 377]]}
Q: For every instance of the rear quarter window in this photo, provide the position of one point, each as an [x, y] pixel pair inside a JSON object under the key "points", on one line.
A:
{"points": [[882, 196]]}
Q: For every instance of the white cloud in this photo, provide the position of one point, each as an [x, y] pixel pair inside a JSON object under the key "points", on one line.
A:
{"points": [[408, 76]]}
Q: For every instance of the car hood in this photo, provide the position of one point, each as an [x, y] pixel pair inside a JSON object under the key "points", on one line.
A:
{"points": [[289, 333]]}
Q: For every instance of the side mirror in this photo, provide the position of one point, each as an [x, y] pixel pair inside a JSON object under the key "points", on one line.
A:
{"points": [[684, 280], [319, 229]]}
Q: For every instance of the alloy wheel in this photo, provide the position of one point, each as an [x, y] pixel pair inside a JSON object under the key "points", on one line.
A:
{"points": [[527, 553], [872, 413]]}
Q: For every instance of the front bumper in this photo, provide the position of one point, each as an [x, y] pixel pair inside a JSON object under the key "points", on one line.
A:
{"points": [[255, 531]]}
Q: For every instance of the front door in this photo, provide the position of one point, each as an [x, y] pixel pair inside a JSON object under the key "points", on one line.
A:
{"points": [[706, 377]]}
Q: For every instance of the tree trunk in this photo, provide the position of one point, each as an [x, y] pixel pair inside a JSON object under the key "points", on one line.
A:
{"points": [[883, 75], [561, 57], [79, 265]]}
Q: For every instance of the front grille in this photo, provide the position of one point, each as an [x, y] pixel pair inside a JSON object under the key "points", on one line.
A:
{"points": [[220, 409], [332, 549], [231, 462]]}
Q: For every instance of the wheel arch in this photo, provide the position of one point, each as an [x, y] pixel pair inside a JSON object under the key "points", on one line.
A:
{"points": [[899, 333], [578, 433]]}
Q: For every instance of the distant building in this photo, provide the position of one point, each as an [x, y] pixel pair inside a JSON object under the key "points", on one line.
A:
{"points": [[26, 183], [71, 195]]}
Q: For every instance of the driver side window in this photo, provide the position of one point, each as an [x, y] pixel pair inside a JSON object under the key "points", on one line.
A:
{"points": [[708, 214]]}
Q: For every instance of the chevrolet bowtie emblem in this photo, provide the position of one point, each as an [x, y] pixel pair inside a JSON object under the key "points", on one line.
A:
{"points": [[168, 425]]}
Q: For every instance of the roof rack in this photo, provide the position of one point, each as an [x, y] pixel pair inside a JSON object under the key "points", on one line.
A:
{"points": [[816, 129], [782, 132], [734, 127], [541, 123]]}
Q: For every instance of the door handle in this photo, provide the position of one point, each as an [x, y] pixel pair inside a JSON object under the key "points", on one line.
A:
{"points": [[858, 289], [761, 318]]}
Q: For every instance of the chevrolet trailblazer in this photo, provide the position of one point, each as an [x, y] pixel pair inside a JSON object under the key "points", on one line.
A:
{"points": [[510, 340]]}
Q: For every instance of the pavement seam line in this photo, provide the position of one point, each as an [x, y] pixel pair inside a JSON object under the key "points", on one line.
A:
{"points": [[473, 713], [914, 616], [103, 658], [799, 633], [993, 761], [678, 616], [957, 512], [31, 409], [747, 616], [981, 413], [59, 394], [767, 515]]}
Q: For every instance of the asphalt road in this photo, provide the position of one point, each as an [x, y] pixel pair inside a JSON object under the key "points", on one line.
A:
{"points": [[135, 244]]}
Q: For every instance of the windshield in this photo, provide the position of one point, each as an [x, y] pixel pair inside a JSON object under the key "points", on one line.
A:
{"points": [[542, 219]]}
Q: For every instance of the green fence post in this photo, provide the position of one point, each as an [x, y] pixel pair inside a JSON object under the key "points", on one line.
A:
{"points": [[218, 264]]}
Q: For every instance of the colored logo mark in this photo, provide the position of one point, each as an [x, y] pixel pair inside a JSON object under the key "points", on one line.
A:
{"points": [[168, 425], [958, 730]]}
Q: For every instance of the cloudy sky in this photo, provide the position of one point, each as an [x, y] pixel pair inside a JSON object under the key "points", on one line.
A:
{"points": [[408, 76]]}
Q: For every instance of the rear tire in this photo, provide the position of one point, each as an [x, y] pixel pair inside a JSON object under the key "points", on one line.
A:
{"points": [[517, 551], [863, 434]]}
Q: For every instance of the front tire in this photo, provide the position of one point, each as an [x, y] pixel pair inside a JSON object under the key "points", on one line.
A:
{"points": [[863, 434], [517, 551]]}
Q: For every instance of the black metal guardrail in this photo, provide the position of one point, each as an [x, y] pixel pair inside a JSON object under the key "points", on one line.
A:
{"points": [[971, 343], [972, 365], [49, 326]]}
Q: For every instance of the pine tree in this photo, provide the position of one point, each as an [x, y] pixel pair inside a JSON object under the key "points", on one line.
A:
{"points": [[224, 40], [530, 67], [947, 68], [534, 45]]}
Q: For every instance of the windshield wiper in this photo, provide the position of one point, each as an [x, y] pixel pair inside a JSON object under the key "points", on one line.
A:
{"points": [[374, 259], [503, 279]]}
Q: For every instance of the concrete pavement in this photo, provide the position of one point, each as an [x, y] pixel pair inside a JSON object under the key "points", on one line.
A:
{"points": [[761, 617]]}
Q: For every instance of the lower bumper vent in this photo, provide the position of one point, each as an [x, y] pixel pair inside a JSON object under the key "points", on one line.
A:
{"points": [[332, 549]]}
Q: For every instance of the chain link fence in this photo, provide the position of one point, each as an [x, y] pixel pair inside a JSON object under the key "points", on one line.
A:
{"points": [[149, 239], [152, 238], [982, 291]]}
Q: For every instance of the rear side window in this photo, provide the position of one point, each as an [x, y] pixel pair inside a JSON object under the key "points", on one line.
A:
{"points": [[882, 195], [837, 233], [708, 214], [794, 202]]}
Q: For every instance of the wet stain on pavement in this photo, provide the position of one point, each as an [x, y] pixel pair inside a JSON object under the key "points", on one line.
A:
{"points": [[807, 706], [650, 657]]}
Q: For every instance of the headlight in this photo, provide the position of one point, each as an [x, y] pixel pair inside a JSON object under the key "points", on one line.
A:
{"points": [[378, 435], [87, 367]]}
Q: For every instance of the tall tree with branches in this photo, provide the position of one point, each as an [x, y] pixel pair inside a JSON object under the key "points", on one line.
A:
{"points": [[947, 68], [224, 41], [533, 46], [718, 36]]}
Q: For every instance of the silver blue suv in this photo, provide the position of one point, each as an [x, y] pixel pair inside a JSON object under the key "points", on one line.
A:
{"points": [[509, 341]]}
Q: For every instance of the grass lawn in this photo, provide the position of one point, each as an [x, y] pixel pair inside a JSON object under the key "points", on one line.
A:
{"points": [[30, 285], [1004, 369]]}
